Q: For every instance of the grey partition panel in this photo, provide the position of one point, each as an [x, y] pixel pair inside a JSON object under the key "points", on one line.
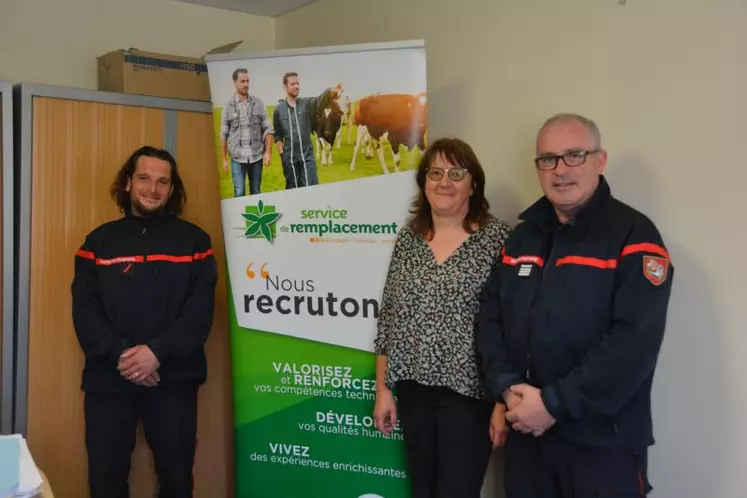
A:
{"points": [[6, 320], [24, 100]]}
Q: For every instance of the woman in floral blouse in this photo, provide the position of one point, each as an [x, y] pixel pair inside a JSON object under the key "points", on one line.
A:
{"points": [[425, 343]]}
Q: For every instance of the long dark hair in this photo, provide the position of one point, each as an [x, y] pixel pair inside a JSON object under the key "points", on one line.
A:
{"points": [[121, 196], [458, 153]]}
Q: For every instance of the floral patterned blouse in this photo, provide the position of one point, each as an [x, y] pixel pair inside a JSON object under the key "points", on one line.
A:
{"points": [[428, 317]]}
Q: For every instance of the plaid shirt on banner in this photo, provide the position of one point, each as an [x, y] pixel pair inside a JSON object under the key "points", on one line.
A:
{"points": [[244, 126]]}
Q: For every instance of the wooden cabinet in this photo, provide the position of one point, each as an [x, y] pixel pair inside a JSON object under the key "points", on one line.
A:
{"points": [[72, 144], [6, 258]]}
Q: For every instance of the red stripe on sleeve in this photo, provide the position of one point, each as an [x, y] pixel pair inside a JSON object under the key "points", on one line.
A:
{"points": [[645, 247], [86, 254], [203, 255]]}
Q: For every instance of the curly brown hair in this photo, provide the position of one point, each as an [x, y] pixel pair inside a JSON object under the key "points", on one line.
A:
{"points": [[118, 189], [458, 153]]}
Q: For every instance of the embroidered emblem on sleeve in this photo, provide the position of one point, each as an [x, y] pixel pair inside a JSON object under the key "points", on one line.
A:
{"points": [[655, 269]]}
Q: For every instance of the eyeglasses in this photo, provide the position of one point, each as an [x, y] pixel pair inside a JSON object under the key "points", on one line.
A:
{"points": [[454, 174], [575, 157]]}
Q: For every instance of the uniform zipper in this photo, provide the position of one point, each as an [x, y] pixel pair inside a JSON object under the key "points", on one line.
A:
{"points": [[145, 256], [529, 366], [538, 292]]}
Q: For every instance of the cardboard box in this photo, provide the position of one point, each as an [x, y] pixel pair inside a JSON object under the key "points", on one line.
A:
{"points": [[157, 75]]}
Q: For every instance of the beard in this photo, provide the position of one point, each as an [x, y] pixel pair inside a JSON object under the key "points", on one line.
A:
{"points": [[145, 211]]}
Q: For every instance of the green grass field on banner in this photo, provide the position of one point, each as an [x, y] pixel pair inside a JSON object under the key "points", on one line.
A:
{"points": [[272, 176]]}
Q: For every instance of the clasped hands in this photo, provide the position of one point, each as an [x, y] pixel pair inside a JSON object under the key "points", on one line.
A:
{"points": [[526, 410], [139, 365]]}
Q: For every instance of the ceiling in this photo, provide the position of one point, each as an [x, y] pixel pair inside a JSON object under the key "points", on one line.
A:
{"points": [[268, 8]]}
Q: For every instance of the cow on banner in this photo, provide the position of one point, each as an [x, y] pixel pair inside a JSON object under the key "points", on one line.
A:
{"points": [[327, 127], [399, 118]]}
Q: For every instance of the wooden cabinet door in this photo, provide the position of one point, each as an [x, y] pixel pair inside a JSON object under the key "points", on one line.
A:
{"points": [[77, 149]]}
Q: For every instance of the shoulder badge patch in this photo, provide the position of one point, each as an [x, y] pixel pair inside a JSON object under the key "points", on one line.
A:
{"points": [[655, 269]]}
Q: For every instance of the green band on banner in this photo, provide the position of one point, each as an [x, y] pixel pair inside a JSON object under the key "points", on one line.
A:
{"points": [[307, 254]]}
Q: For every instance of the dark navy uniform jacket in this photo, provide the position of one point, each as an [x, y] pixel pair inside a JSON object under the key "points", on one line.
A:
{"points": [[144, 281], [578, 310]]}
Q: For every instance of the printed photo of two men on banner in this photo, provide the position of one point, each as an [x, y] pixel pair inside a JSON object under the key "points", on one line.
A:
{"points": [[289, 122]]}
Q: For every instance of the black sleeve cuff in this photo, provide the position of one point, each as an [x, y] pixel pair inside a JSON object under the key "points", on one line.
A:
{"points": [[553, 402], [502, 383]]}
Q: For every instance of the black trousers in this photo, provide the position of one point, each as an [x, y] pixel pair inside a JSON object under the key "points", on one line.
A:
{"points": [[551, 467], [169, 418], [447, 440]]}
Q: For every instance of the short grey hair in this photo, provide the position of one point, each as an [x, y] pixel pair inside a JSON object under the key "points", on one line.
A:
{"points": [[569, 116]]}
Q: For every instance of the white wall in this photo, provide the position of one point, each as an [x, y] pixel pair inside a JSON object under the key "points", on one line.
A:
{"points": [[665, 80], [57, 41]]}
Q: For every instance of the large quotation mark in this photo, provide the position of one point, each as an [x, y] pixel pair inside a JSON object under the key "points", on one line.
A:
{"points": [[262, 271]]}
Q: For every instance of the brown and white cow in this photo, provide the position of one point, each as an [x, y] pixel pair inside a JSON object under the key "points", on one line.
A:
{"points": [[399, 118], [327, 127], [348, 120]]}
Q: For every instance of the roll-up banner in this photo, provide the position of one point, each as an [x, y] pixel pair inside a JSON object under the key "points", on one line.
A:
{"points": [[308, 236]]}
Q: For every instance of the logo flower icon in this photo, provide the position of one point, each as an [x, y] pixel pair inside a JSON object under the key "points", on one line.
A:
{"points": [[260, 221]]}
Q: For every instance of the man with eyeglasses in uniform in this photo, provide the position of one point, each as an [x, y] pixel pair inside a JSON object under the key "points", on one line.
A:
{"points": [[571, 324]]}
